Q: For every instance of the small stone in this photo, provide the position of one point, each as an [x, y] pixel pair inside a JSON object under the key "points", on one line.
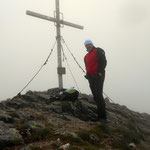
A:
{"points": [[132, 146], [65, 147]]}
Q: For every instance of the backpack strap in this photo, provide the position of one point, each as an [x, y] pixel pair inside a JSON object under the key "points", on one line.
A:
{"points": [[102, 62]]}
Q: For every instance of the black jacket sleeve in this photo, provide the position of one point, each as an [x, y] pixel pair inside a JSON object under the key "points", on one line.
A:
{"points": [[102, 62]]}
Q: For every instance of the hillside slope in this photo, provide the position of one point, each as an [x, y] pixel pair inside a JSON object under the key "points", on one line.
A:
{"points": [[33, 121]]}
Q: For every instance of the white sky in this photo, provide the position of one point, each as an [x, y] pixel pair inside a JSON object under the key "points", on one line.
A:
{"points": [[120, 27]]}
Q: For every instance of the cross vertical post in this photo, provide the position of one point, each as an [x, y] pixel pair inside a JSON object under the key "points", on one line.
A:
{"points": [[58, 37]]}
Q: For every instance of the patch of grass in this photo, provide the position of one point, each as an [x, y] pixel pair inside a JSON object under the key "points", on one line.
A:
{"points": [[100, 130], [66, 107], [132, 137], [91, 137], [85, 147], [41, 134], [143, 146], [71, 140], [131, 124], [120, 144], [17, 141], [83, 141], [74, 148], [125, 136], [35, 148], [30, 135], [129, 136], [91, 147], [14, 114], [104, 128], [84, 135]]}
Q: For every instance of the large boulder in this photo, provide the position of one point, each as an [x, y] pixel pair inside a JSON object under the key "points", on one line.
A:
{"points": [[9, 136]]}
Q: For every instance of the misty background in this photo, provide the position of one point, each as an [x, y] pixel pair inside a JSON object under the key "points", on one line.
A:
{"points": [[120, 27]]}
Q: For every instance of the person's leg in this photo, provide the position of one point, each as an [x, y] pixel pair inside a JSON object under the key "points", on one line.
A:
{"points": [[98, 84], [92, 86]]}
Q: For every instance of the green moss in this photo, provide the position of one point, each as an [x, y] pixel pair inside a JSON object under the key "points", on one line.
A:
{"points": [[41, 134]]}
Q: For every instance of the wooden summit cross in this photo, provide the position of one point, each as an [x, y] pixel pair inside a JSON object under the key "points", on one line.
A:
{"points": [[58, 22]]}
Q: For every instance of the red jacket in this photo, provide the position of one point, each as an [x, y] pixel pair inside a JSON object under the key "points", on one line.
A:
{"points": [[95, 61]]}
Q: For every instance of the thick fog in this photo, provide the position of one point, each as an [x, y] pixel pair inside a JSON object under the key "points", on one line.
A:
{"points": [[120, 27]]}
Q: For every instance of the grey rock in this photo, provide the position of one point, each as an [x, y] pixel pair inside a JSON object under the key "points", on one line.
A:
{"points": [[88, 98], [85, 111], [5, 117], [9, 136], [17, 103]]}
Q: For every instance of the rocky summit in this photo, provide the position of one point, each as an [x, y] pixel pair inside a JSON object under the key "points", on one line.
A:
{"points": [[38, 121]]}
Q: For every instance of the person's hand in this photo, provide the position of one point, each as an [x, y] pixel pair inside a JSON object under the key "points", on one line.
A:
{"points": [[86, 76], [100, 74]]}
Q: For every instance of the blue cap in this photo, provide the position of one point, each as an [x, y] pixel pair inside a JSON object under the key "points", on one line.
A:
{"points": [[88, 42]]}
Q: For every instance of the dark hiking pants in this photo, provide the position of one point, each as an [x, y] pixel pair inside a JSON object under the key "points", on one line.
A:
{"points": [[96, 85]]}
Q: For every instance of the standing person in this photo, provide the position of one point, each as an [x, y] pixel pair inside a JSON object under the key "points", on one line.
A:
{"points": [[95, 63]]}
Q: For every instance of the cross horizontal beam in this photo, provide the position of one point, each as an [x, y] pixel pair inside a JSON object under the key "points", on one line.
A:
{"points": [[34, 14]]}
